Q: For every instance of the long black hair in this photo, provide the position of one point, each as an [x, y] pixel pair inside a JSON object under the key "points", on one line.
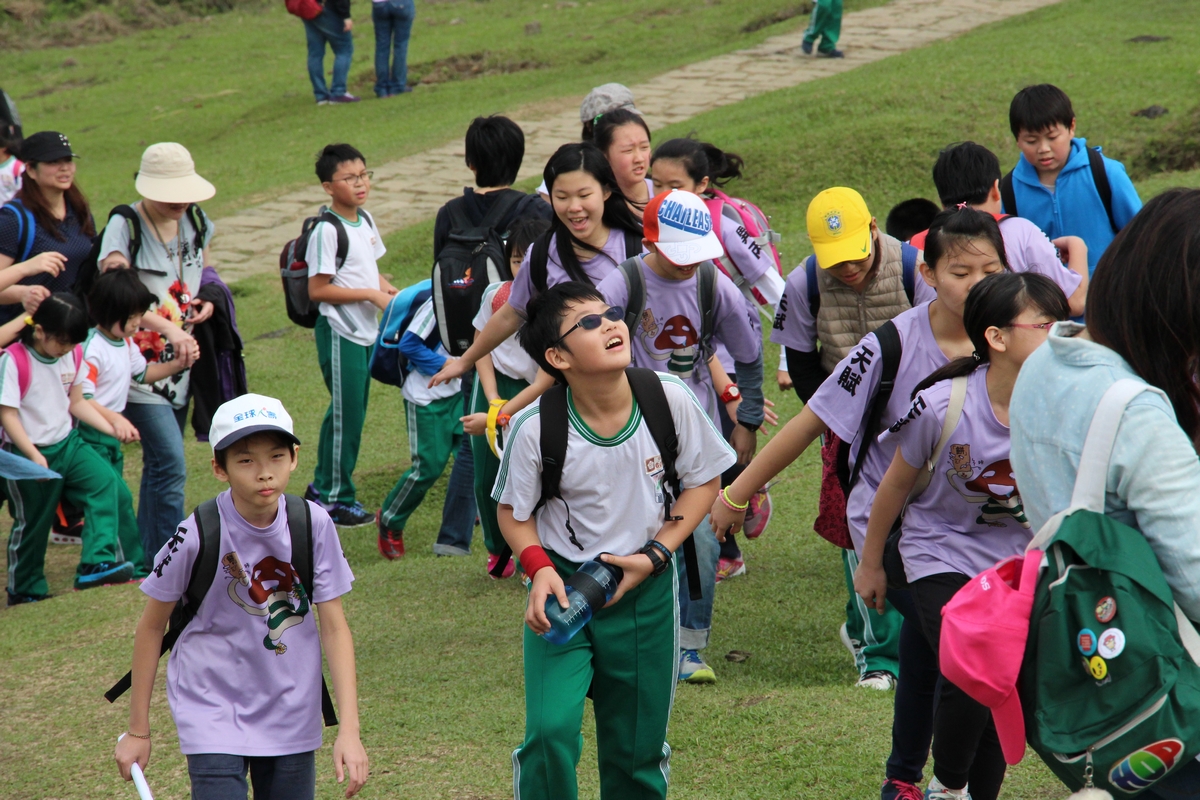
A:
{"points": [[955, 228], [523, 233], [995, 302], [62, 317], [1144, 299], [585, 157], [608, 122], [701, 160]]}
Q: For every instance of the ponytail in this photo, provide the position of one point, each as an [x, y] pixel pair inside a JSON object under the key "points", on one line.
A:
{"points": [[995, 302], [62, 317], [701, 160]]}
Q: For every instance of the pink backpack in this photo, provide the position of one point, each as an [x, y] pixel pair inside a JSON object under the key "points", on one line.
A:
{"points": [[25, 371], [756, 223]]}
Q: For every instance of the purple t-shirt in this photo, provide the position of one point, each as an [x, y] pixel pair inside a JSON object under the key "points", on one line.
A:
{"points": [[796, 327], [667, 336], [245, 676], [843, 399], [1028, 250], [971, 515], [597, 268]]}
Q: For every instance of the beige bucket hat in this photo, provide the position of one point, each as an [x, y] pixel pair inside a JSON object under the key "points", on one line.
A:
{"points": [[168, 175]]}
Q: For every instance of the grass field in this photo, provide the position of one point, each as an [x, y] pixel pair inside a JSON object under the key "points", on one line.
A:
{"points": [[438, 643]]}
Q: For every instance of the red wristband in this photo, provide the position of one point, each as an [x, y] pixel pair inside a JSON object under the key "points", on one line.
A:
{"points": [[534, 558]]}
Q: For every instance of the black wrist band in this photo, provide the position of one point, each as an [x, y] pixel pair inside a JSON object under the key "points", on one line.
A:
{"points": [[750, 426], [658, 565], [666, 553]]}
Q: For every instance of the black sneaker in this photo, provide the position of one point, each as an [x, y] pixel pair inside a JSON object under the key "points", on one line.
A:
{"points": [[21, 599], [350, 516], [108, 572], [310, 494], [830, 54]]}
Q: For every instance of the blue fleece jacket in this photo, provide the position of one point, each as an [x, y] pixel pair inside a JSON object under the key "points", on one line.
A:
{"points": [[1074, 207]]}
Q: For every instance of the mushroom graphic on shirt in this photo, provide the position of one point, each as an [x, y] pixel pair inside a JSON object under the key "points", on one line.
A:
{"points": [[679, 338], [275, 592], [996, 488]]}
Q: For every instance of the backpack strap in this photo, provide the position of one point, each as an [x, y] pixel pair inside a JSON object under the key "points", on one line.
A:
{"points": [[716, 207], [890, 351], [299, 521], [368, 218], [706, 289], [1103, 187], [26, 228], [635, 291], [20, 357], [633, 243], [958, 398], [133, 222], [200, 225], [458, 215], [343, 241], [501, 209], [814, 289], [908, 266], [1007, 196]]}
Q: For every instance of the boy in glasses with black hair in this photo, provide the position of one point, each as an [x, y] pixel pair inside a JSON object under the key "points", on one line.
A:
{"points": [[610, 506]]}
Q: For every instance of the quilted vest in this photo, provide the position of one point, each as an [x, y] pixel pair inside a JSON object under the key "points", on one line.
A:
{"points": [[846, 316]]}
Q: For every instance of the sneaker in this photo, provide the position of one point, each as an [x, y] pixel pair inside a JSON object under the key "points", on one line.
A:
{"points": [[103, 574], [936, 791], [349, 516], [509, 568], [391, 544], [21, 599], [879, 679], [758, 515], [324, 102], [730, 568], [852, 645], [692, 668], [346, 98], [807, 48], [830, 54], [310, 492], [900, 790]]}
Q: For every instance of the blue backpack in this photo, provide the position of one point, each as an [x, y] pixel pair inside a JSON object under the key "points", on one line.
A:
{"points": [[388, 364]]}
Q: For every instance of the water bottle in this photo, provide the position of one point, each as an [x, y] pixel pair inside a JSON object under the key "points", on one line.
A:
{"points": [[587, 590]]}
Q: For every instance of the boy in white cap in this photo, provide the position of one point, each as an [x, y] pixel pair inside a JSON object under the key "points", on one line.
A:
{"points": [[244, 678], [163, 236], [678, 287]]}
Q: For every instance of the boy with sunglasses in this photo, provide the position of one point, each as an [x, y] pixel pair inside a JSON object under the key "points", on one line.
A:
{"points": [[610, 507], [668, 336]]}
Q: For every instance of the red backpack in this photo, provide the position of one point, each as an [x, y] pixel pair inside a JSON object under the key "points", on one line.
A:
{"points": [[756, 223], [20, 356], [304, 9]]}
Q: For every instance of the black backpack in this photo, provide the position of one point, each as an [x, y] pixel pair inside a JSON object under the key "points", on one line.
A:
{"points": [[471, 260], [539, 258], [656, 412], [293, 266], [204, 573], [1099, 177], [706, 291], [89, 270], [10, 121], [891, 349]]}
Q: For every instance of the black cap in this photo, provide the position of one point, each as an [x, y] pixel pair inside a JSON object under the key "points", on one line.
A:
{"points": [[45, 146]]}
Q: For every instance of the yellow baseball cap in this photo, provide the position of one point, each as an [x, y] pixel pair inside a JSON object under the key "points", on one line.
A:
{"points": [[839, 226]]}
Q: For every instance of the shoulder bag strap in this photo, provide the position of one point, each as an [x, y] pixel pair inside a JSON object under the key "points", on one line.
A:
{"points": [[890, 350], [635, 291], [299, 521], [1103, 187], [908, 274], [706, 288], [814, 289], [958, 397], [1007, 195]]}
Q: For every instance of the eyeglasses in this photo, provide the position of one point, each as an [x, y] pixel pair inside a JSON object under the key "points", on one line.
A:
{"points": [[355, 180], [1037, 326], [592, 321]]}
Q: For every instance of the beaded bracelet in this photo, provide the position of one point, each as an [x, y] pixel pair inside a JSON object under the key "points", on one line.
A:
{"points": [[732, 506], [137, 735]]}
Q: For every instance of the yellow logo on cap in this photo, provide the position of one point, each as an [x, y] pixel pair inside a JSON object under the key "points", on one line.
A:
{"points": [[833, 222]]}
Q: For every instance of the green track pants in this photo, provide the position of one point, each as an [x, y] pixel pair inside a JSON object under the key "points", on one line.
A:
{"points": [[826, 25], [87, 483], [346, 368], [629, 656], [108, 448], [878, 635], [487, 466], [434, 434]]}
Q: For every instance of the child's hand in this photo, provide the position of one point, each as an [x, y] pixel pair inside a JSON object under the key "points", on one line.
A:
{"points": [[769, 416], [350, 760], [784, 379], [453, 368], [39, 459], [381, 299], [33, 298], [546, 582], [725, 520], [131, 750], [637, 568], [1070, 247], [870, 583], [475, 424], [744, 442], [49, 262], [125, 431]]}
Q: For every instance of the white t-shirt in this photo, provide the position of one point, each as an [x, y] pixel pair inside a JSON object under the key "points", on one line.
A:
{"points": [[110, 365], [45, 411], [626, 469], [508, 357], [416, 386], [357, 322]]}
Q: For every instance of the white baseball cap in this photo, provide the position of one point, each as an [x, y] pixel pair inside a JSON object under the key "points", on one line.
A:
{"points": [[246, 415], [680, 226], [168, 175]]}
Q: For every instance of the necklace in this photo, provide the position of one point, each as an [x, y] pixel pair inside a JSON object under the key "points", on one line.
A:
{"points": [[184, 298]]}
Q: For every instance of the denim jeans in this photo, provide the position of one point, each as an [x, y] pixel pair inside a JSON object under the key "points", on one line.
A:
{"points": [[217, 776], [393, 21], [695, 616], [458, 510], [328, 27], [164, 472]]}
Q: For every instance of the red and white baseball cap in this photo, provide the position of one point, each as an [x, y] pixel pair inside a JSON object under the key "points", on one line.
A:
{"points": [[679, 225]]}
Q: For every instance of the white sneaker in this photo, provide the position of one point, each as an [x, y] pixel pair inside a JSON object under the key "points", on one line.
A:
{"points": [[849, 643], [936, 791], [877, 679]]}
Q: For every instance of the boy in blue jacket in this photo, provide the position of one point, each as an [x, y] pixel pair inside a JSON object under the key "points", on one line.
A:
{"points": [[1059, 184], [433, 420]]}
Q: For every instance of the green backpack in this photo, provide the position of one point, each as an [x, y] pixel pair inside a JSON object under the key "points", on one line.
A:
{"points": [[1110, 683]]}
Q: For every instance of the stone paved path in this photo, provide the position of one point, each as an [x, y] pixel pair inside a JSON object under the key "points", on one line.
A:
{"points": [[411, 189]]}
